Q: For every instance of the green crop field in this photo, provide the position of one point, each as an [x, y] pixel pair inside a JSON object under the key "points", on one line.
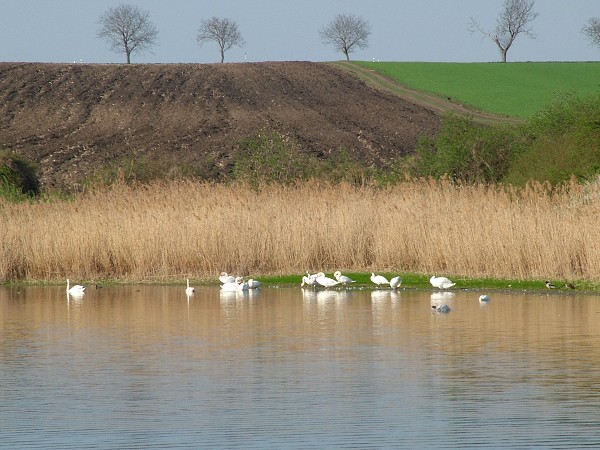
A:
{"points": [[513, 89]]}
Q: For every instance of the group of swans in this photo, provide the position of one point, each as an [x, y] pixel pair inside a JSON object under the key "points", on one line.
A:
{"points": [[319, 279], [236, 284]]}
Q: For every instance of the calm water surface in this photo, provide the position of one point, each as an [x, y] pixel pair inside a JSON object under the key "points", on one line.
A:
{"points": [[144, 367]]}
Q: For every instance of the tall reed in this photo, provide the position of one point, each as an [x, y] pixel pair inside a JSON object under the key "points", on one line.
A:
{"points": [[185, 229]]}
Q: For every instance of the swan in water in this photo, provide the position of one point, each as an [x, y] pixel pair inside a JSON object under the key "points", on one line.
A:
{"points": [[343, 279], [395, 282], [484, 298], [253, 284], [441, 282], [189, 290], [325, 281], [76, 289], [226, 278], [379, 279]]}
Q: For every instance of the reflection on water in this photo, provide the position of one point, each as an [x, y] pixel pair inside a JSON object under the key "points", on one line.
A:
{"points": [[145, 366]]}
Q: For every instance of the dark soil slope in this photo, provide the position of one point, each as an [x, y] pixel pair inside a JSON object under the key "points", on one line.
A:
{"points": [[74, 118]]}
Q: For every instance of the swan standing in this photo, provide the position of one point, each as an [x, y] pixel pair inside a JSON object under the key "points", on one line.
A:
{"points": [[379, 279], [343, 279], [324, 281], [309, 279], [441, 282], [253, 284], [189, 290], [395, 282]]}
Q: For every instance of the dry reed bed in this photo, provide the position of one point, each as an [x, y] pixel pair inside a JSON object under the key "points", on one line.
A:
{"points": [[180, 229]]}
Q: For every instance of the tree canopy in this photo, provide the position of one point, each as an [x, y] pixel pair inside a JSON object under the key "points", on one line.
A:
{"points": [[127, 29], [514, 19], [222, 31], [346, 32]]}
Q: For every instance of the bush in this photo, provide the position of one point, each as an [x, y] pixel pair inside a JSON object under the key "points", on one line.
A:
{"points": [[565, 142], [18, 177], [467, 151]]}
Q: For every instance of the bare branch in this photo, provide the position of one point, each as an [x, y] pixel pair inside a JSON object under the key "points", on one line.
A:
{"points": [[592, 30], [222, 31], [346, 32], [514, 19], [127, 29]]}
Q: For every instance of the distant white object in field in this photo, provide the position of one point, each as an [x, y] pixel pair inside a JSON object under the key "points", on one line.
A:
{"points": [[76, 289], [189, 290], [441, 282], [325, 281], [379, 279], [484, 298], [395, 282], [226, 278], [342, 278], [253, 284], [442, 309]]}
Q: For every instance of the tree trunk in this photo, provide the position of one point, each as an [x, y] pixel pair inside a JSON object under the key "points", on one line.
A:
{"points": [[503, 52]]}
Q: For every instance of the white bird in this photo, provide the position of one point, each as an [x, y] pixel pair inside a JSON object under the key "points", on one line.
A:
{"points": [[230, 287], [325, 281], [550, 285], [309, 279], [189, 290], [76, 289], [253, 284], [442, 309], [226, 278], [379, 279], [484, 298], [242, 285], [395, 282], [441, 282], [343, 279]]}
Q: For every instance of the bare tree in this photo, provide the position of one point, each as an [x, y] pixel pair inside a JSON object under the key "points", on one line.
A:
{"points": [[223, 31], [592, 30], [127, 29], [345, 32], [514, 19]]}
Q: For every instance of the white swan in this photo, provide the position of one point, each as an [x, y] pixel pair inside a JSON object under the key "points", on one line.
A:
{"points": [[379, 279], [189, 290], [76, 289], [441, 282], [325, 281], [342, 278], [242, 285], [230, 287], [395, 282], [253, 284], [226, 278], [309, 279], [484, 298]]}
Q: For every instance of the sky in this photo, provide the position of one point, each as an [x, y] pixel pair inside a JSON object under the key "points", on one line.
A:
{"points": [[288, 30]]}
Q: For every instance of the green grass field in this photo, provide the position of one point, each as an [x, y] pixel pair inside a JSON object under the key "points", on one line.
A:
{"points": [[512, 89]]}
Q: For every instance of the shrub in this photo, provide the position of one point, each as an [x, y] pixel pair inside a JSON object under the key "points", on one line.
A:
{"points": [[18, 177]]}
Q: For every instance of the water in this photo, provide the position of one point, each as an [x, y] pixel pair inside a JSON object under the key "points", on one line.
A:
{"points": [[143, 367]]}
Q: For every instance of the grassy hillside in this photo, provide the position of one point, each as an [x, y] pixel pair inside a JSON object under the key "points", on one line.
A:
{"points": [[514, 89]]}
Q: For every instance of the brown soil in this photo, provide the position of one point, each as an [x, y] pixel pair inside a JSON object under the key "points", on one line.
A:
{"points": [[75, 118]]}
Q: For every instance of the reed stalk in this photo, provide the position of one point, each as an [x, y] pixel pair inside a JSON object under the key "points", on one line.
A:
{"points": [[184, 229]]}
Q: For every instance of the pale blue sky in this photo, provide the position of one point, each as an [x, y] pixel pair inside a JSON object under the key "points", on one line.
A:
{"points": [[287, 30]]}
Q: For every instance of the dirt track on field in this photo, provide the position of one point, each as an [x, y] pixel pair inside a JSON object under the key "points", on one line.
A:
{"points": [[73, 119]]}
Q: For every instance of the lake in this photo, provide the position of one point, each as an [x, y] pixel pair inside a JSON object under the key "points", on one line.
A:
{"points": [[145, 367]]}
